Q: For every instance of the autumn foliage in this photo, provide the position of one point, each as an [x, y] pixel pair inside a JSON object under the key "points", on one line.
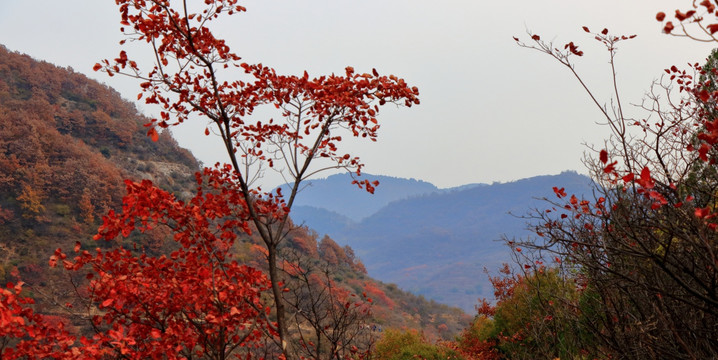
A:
{"points": [[642, 252], [627, 274], [25, 334], [189, 79], [195, 302], [125, 295]]}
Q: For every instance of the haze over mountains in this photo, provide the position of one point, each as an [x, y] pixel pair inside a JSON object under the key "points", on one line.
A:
{"points": [[430, 241]]}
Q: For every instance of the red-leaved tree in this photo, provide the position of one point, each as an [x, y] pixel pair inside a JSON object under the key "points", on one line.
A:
{"points": [[196, 302], [191, 79]]}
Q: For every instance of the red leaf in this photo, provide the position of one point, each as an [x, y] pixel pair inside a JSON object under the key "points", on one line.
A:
{"points": [[710, 7], [713, 28], [682, 16], [97, 67], [586, 29], [704, 95], [603, 156], [560, 193], [152, 133], [610, 168], [703, 151], [536, 37], [660, 16], [628, 178], [668, 27], [646, 181], [702, 212]]}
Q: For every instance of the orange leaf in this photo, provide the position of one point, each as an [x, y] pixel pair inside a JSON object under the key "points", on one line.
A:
{"points": [[152, 133]]}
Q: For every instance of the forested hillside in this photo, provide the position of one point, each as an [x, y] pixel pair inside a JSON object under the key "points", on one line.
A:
{"points": [[66, 144]]}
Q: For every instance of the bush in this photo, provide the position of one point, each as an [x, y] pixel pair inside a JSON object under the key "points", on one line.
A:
{"points": [[397, 345]]}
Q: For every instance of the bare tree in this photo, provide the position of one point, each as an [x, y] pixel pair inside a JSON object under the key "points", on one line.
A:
{"points": [[331, 321]]}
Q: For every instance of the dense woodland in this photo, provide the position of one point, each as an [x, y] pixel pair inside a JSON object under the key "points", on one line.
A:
{"points": [[116, 244]]}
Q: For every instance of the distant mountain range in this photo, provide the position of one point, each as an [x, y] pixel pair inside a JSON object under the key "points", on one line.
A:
{"points": [[430, 241]]}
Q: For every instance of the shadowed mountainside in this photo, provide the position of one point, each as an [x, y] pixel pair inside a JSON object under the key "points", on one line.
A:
{"points": [[437, 243]]}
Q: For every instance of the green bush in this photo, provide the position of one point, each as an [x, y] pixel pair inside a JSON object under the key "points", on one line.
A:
{"points": [[397, 345]]}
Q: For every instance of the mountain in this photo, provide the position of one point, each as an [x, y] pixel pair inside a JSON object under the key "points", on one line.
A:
{"points": [[67, 143], [337, 194], [437, 243]]}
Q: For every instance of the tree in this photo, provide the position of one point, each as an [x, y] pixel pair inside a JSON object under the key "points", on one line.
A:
{"points": [[643, 250], [188, 79], [535, 316], [198, 302], [333, 323]]}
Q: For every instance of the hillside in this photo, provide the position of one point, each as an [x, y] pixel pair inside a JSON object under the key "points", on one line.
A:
{"points": [[438, 243], [67, 143]]}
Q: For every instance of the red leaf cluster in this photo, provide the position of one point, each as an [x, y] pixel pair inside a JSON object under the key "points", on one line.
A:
{"points": [[28, 335], [197, 300]]}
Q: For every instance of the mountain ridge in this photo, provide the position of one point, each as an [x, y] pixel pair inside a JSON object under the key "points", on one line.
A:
{"points": [[438, 243]]}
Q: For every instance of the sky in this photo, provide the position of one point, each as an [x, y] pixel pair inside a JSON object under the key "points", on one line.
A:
{"points": [[490, 111]]}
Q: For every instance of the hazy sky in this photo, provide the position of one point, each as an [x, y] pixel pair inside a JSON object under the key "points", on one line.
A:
{"points": [[490, 111]]}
